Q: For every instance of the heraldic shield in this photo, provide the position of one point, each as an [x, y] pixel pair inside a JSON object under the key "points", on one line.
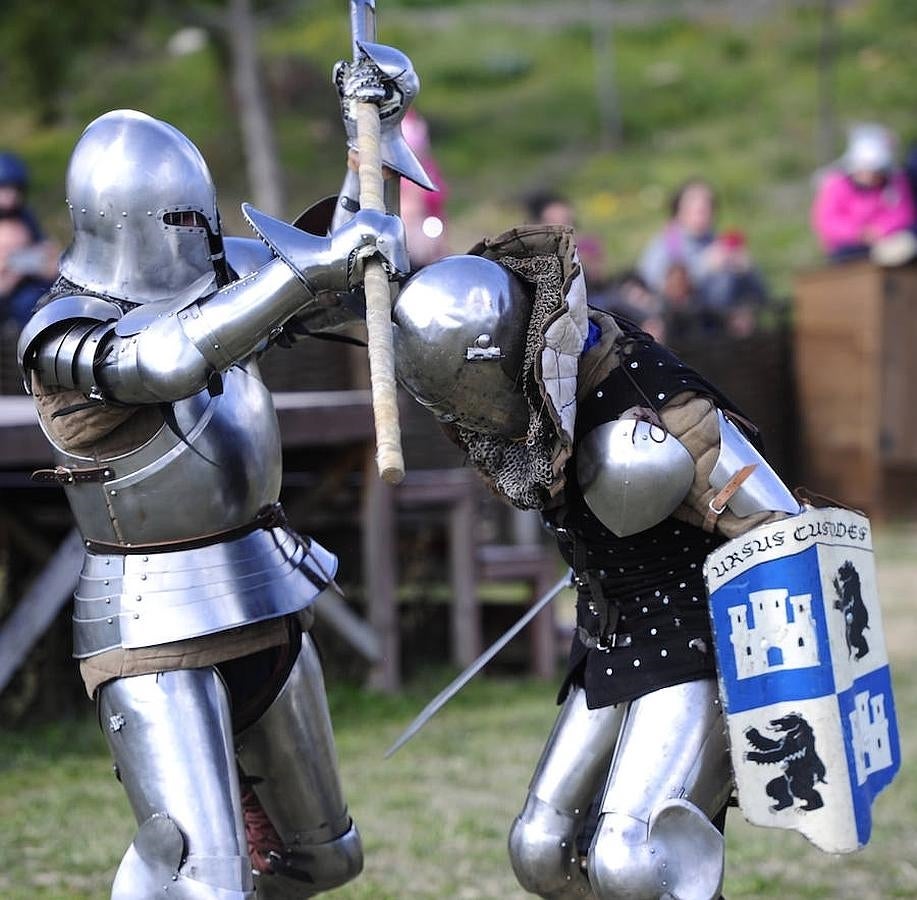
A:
{"points": [[804, 675]]}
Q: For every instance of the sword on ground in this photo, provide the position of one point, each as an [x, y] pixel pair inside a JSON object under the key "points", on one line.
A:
{"points": [[447, 693]]}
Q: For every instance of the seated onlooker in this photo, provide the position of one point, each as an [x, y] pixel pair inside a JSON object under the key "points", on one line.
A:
{"points": [[628, 296], [718, 267], [28, 262], [548, 207], [863, 207]]}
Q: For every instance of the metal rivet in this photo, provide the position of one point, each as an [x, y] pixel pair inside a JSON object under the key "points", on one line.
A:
{"points": [[608, 671], [660, 396], [113, 493], [634, 365], [636, 662], [139, 597], [102, 212], [663, 652], [109, 620], [108, 599], [599, 394], [136, 615], [142, 578]]}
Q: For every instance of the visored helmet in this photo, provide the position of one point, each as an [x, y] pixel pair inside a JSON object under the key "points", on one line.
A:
{"points": [[460, 343], [143, 205]]}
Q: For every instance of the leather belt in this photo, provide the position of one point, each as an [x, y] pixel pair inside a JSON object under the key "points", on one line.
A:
{"points": [[269, 517], [63, 475]]}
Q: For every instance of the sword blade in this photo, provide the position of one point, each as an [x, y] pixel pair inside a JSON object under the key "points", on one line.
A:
{"points": [[448, 692]]}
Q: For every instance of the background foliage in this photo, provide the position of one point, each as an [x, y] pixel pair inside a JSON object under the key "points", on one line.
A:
{"points": [[729, 90]]}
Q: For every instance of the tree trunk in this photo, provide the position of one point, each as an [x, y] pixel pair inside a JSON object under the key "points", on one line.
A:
{"points": [[258, 141]]}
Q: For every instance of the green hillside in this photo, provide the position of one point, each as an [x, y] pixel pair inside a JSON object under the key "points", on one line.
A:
{"points": [[509, 89]]}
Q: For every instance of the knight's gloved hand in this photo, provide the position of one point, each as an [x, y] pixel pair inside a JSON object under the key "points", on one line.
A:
{"points": [[370, 233], [385, 76]]}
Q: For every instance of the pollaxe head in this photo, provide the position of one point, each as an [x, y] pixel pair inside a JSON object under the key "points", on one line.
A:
{"points": [[143, 205], [460, 343]]}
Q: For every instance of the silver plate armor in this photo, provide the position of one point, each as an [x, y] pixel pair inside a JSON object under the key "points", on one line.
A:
{"points": [[147, 599], [143, 207], [664, 762], [633, 474], [292, 745], [170, 735], [396, 73], [459, 343], [213, 472], [762, 491]]}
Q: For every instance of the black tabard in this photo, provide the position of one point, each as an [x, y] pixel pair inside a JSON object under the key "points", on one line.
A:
{"points": [[642, 618]]}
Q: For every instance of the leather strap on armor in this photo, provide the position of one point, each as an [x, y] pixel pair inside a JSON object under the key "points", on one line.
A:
{"points": [[269, 517], [717, 505], [65, 475]]}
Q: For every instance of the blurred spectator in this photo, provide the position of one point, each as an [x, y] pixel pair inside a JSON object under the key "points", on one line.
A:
{"points": [[423, 212], [28, 262], [704, 275], [627, 295], [863, 206], [551, 208]]}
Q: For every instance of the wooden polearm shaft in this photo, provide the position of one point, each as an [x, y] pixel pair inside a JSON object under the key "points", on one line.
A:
{"points": [[389, 458]]}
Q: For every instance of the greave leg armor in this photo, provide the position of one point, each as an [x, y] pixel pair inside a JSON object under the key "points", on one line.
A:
{"points": [[171, 739], [542, 842], [288, 756], [669, 776]]}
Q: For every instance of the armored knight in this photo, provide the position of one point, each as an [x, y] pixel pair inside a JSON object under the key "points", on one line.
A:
{"points": [[640, 467], [193, 606]]}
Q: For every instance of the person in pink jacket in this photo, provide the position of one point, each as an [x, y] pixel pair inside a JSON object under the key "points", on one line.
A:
{"points": [[865, 207]]}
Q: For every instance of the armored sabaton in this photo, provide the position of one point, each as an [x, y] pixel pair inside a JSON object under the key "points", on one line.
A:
{"points": [[142, 362], [642, 474]]}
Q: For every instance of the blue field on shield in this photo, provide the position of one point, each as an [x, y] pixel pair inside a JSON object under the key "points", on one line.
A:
{"points": [[868, 718], [771, 634]]}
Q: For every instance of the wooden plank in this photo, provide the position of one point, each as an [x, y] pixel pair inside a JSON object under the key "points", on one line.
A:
{"points": [[838, 340], [467, 642], [898, 441], [42, 602], [334, 612]]}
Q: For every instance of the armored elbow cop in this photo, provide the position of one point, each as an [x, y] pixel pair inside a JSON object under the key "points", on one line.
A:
{"points": [[634, 474]]}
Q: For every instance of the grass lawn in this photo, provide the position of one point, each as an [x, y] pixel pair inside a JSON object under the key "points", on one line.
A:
{"points": [[435, 817]]}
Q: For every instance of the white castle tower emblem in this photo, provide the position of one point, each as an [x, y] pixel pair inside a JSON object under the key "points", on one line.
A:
{"points": [[868, 722], [782, 637]]}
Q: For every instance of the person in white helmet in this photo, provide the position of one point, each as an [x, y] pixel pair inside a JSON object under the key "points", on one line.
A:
{"points": [[863, 207]]}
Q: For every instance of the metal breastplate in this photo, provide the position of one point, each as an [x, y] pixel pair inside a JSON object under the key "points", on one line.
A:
{"points": [[213, 471]]}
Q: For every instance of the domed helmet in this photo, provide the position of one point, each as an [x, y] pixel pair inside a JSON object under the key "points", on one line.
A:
{"points": [[460, 330], [143, 206]]}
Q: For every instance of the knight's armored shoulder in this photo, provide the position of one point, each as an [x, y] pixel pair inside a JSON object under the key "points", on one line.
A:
{"points": [[61, 326], [633, 473]]}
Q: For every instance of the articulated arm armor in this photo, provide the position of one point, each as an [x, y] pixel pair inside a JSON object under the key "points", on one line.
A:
{"points": [[168, 350], [635, 473]]}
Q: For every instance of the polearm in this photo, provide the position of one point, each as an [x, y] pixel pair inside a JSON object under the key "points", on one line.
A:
{"points": [[389, 458], [448, 692]]}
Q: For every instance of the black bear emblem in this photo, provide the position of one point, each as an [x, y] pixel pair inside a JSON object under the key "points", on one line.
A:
{"points": [[850, 603], [794, 750]]}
